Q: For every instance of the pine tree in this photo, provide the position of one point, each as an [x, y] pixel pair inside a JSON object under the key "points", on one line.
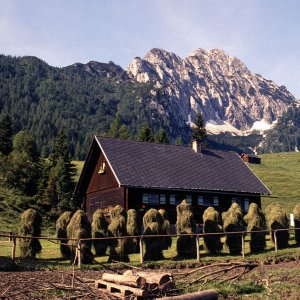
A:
{"points": [[179, 140], [6, 133], [199, 132], [145, 134], [161, 137], [118, 130]]}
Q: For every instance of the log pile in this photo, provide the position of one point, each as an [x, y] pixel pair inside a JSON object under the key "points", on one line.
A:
{"points": [[138, 285]]}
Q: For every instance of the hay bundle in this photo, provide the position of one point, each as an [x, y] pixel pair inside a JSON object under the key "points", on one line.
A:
{"points": [[118, 248], [185, 224], [211, 224], [153, 223], [296, 212], [166, 228], [30, 225], [233, 222], [61, 233], [99, 230], [255, 220], [277, 219], [80, 228], [133, 228]]}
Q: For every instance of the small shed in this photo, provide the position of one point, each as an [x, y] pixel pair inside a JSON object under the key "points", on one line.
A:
{"points": [[251, 159]]}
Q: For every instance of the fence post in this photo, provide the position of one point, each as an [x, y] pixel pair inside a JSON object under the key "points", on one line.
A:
{"points": [[275, 241], [243, 246], [13, 250], [79, 254], [141, 250], [197, 248]]}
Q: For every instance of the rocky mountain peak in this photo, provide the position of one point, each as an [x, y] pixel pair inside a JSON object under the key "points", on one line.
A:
{"points": [[214, 83]]}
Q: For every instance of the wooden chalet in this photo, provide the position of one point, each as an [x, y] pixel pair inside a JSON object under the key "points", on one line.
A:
{"points": [[142, 175], [251, 159]]}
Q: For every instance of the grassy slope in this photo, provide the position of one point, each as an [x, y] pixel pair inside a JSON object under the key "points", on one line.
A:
{"points": [[280, 172]]}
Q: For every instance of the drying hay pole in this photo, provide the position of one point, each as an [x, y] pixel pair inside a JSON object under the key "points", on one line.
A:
{"points": [[277, 219], [185, 224], [255, 220], [296, 212], [166, 227], [211, 224], [80, 228], [233, 222], [61, 232], [133, 228], [153, 223], [99, 230], [118, 248], [30, 225]]}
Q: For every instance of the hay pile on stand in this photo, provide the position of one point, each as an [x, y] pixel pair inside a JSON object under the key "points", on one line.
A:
{"points": [[233, 222], [133, 228], [61, 233], [30, 225], [166, 228], [118, 248], [255, 220], [153, 223], [99, 230], [296, 212], [80, 228], [211, 224], [185, 224], [277, 219]]}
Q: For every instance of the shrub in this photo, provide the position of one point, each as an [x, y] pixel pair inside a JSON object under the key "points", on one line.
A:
{"points": [[255, 220], [233, 222], [80, 228], [211, 224], [30, 225], [118, 248], [61, 232], [99, 230], [277, 219], [296, 212], [153, 223], [133, 228], [166, 228], [185, 224]]}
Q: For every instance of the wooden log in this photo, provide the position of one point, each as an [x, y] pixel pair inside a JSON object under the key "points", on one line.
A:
{"points": [[203, 295], [163, 281], [114, 288], [125, 279]]}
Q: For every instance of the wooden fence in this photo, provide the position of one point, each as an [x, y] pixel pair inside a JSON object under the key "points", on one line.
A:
{"points": [[10, 238]]}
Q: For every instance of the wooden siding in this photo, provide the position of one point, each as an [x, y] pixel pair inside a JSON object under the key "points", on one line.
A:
{"points": [[104, 200], [104, 181]]}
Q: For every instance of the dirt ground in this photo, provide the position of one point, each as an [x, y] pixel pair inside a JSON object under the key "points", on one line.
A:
{"points": [[280, 279]]}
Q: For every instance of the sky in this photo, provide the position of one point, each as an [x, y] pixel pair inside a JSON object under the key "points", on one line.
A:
{"points": [[263, 34]]}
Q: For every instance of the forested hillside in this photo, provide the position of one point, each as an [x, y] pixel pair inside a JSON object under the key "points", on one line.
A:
{"points": [[44, 99]]}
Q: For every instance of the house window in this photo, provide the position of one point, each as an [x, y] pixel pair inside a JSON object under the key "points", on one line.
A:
{"points": [[172, 199], [246, 204], [162, 198], [145, 198], [189, 199], [200, 200], [216, 201], [233, 200]]}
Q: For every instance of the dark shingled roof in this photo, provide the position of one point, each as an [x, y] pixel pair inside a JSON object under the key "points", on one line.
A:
{"points": [[163, 166]]}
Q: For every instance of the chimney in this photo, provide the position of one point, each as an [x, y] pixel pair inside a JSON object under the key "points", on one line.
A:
{"points": [[197, 145]]}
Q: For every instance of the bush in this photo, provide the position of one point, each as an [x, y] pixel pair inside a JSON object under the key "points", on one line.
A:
{"points": [[211, 224], [296, 212], [233, 222], [255, 220], [277, 219], [118, 248], [166, 227], [80, 228], [153, 223], [185, 224], [133, 228], [99, 230], [30, 225], [61, 233]]}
